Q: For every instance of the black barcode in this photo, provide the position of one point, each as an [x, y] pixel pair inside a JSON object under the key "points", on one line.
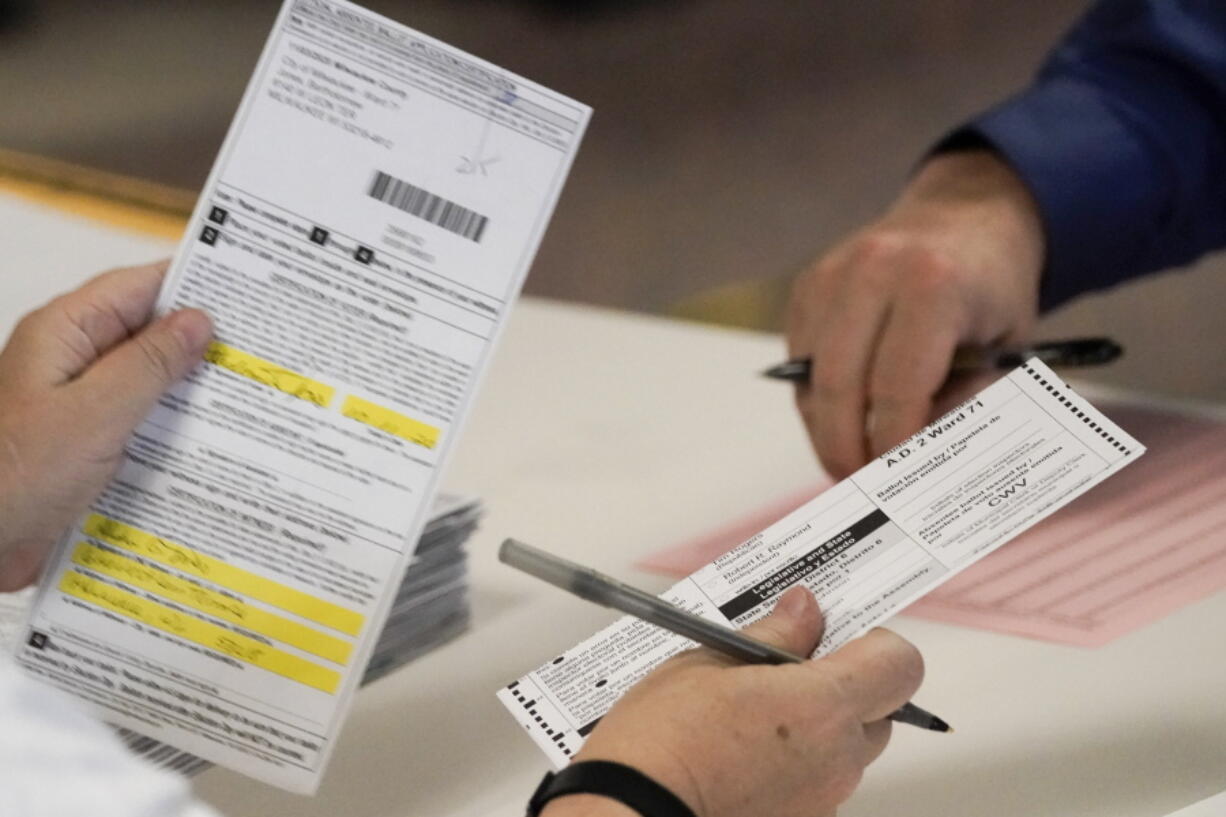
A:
{"points": [[428, 206], [163, 755]]}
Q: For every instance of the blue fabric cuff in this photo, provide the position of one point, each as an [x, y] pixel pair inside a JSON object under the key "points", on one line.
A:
{"points": [[1090, 177]]}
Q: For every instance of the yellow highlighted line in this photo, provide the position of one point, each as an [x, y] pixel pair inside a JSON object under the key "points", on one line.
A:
{"points": [[181, 591], [387, 420], [241, 581], [200, 632], [269, 374]]}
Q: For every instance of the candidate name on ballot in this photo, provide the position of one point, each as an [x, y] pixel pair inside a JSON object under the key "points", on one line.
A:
{"points": [[367, 225], [867, 547]]}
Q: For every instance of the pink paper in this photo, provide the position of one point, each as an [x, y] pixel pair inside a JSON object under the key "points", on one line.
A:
{"points": [[1144, 543]]}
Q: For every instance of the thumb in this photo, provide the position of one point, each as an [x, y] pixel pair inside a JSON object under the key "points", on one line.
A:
{"points": [[124, 385], [796, 624]]}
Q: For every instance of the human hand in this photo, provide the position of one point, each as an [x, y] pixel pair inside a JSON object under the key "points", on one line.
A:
{"points": [[732, 740], [76, 378], [955, 261]]}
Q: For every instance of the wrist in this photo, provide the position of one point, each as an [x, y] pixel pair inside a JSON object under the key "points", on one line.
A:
{"points": [[661, 765], [605, 787], [586, 805], [972, 205], [980, 184]]}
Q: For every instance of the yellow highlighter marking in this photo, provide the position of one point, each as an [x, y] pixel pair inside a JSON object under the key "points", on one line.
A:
{"points": [[384, 419], [200, 632], [270, 374], [181, 591], [220, 573]]}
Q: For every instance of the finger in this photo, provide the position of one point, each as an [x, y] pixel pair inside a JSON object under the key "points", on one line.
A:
{"points": [[959, 387], [834, 404], [19, 567], [876, 737], [911, 363], [795, 624], [124, 385], [54, 344], [808, 303], [878, 673]]}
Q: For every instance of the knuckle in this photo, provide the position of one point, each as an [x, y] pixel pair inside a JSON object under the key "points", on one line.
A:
{"points": [[29, 323], [823, 275], [40, 322], [913, 664], [158, 359], [876, 247], [905, 662], [770, 630], [931, 274]]}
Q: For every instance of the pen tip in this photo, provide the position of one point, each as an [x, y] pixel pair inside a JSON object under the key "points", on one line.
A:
{"points": [[939, 725]]}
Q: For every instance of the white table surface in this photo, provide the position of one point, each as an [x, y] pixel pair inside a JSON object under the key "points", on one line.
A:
{"points": [[605, 436]]}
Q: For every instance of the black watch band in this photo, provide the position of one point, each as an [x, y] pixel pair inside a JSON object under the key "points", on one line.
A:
{"points": [[624, 784]]}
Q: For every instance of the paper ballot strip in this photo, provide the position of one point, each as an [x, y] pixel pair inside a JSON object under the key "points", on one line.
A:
{"points": [[367, 226], [684, 558], [1137, 549], [1148, 543], [866, 547]]}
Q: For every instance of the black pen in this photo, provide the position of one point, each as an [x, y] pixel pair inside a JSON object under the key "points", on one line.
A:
{"points": [[608, 592], [1073, 352]]}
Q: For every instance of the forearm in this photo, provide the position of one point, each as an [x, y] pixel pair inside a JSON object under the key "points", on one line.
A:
{"points": [[1122, 142]]}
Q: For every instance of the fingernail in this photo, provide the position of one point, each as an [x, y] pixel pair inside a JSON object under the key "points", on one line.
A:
{"points": [[796, 602], [193, 328]]}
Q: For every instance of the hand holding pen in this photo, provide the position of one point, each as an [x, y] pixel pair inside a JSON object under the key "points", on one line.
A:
{"points": [[955, 260], [608, 592], [730, 739]]}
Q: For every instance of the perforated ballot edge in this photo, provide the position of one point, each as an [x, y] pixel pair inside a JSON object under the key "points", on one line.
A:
{"points": [[905, 523]]}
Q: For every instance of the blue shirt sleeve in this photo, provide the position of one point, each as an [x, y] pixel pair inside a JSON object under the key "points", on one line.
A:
{"points": [[1122, 141]]}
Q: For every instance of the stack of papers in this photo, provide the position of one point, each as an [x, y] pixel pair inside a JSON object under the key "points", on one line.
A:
{"points": [[431, 605], [430, 608]]}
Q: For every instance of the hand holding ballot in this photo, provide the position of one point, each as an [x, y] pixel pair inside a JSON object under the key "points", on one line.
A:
{"points": [[76, 378], [1093, 175], [798, 736]]}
